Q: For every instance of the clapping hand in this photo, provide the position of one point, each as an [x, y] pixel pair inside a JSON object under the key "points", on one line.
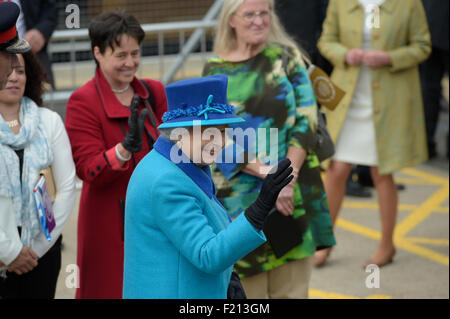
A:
{"points": [[133, 139]]}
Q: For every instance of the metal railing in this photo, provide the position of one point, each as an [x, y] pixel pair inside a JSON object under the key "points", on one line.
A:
{"points": [[73, 41]]}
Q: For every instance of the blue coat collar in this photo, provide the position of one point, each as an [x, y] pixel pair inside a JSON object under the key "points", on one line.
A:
{"points": [[200, 175]]}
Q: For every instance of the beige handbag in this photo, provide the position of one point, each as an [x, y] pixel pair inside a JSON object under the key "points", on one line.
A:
{"points": [[50, 181]]}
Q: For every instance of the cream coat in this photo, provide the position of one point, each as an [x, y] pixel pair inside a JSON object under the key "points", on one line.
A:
{"points": [[396, 95]]}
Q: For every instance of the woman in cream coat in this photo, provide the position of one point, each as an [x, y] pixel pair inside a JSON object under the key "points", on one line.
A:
{"points": [[375, 47]]}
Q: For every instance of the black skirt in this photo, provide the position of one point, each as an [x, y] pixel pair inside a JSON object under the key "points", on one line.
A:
{"points": [[40, 283]]}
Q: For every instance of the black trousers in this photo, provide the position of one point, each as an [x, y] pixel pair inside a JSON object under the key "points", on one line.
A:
{"points": [[40, 283], [431, 73]]}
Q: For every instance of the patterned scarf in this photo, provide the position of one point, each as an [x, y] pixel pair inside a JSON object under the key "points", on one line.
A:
{"points": [[37, 155]]}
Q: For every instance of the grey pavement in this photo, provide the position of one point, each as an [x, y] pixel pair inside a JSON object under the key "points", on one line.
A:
{"points": [[420, 268]]}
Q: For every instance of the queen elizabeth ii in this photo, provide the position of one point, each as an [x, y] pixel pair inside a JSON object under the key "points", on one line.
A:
{"points": [[180, 242]]}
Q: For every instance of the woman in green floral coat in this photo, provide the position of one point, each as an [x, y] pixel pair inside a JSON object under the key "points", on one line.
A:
{"points": [[270, 95]]}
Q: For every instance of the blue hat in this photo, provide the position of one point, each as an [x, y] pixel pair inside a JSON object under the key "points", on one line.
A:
{"points": [[9, 39], [199, 101]]}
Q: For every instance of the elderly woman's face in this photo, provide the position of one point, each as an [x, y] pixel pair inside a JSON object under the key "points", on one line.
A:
{"points": [[120, 65], [251, 22], [15, 86], [213, 141], [203, 144]]}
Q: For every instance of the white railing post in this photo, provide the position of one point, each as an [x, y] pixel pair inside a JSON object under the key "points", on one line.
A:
{"points": [[69, 41], [192, 42]]}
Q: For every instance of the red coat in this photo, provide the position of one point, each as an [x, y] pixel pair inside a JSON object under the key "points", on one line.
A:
{"points": [[93, 118]]}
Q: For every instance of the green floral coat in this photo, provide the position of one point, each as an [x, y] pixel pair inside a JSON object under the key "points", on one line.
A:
{"points": [[267, 98]]}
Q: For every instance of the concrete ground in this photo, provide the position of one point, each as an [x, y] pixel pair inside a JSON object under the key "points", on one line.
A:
{"points": [[421, 265], [420, 268]]}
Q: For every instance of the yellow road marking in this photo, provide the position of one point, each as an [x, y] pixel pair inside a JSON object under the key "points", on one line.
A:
{"points": [[379, 297], [422, 211], [401, 207], [414, 181], [440, 210], [399, 242], [374, 206], [430, 178], [358, 229], [316, 293], [428, 241], [418, 214], [422, 251]]}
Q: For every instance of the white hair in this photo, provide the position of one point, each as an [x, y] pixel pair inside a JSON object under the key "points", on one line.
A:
{"points": [[225, 40]]}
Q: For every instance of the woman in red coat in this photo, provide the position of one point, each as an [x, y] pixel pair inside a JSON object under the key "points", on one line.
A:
{"points": [[111, 122]]}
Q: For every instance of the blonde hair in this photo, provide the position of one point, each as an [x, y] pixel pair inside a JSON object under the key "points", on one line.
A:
{"points": [[225, 40]]}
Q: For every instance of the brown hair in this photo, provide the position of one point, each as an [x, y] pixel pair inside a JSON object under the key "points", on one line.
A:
{"points": [[36, 77], [107, 28]]}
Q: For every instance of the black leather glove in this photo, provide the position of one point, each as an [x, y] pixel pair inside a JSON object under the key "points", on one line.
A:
{"points": [[133, 139], [277, 178], [235, 289]]}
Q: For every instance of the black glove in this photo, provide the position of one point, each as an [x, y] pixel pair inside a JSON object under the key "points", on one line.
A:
{"points": [[133, 139], [277, 178], [235, 289]]}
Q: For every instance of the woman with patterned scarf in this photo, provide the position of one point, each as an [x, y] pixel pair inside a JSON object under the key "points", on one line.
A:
{"points": [[32, 138]]}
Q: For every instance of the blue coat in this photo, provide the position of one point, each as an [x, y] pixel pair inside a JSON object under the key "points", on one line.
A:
{"points": [[179, 240]]}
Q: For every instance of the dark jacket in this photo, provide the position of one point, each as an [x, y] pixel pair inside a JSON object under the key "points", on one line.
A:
{"points": [[437, 16], [303, 20], [41, 15]]}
